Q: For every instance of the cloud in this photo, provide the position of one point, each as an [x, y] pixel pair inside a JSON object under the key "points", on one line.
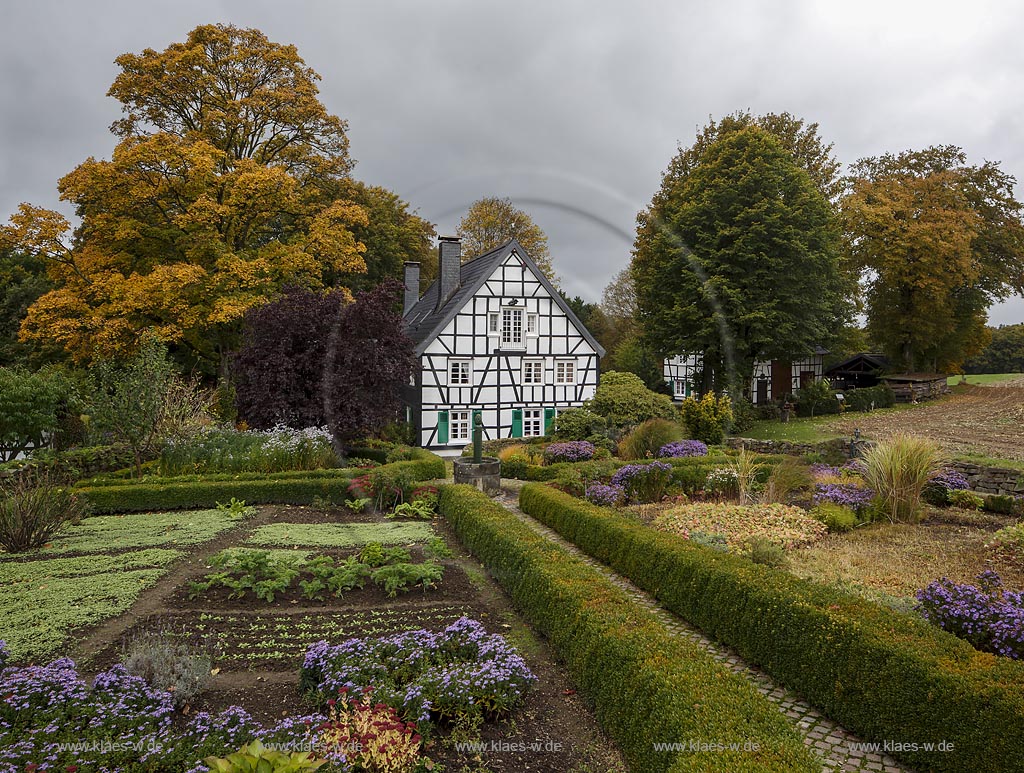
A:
{"points": [[573, 109]]}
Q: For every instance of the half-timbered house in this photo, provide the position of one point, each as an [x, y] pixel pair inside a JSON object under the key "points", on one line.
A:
{"points": [[494, 338], [772, 379]]}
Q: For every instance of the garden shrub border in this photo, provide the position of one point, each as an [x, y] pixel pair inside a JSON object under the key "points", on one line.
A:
{"points": [[882, 675], [646, 686], [266, 490]]}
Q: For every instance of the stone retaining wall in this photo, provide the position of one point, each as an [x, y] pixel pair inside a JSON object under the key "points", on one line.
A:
{"points": [[984, 480], [992, 480]]}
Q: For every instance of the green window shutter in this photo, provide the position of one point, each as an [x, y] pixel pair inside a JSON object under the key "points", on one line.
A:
{"points": [[549, 418], [442, 426], [517, 422]]}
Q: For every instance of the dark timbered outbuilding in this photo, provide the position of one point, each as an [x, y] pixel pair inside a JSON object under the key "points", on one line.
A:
{"points": [[493, 338], [862, 370]]}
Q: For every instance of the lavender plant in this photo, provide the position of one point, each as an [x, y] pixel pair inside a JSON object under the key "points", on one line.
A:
{"points": [[987, 615], [643, 483], [605, 495], [423, 675], [683, 448], [846, 494], [571, 451]]}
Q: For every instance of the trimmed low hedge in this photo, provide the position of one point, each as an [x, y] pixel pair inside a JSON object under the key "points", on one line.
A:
{"points": [[266, 490], [881, 674], [217, 477], [647, 687]]}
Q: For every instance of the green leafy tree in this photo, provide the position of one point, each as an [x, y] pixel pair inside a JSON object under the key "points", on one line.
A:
{"points": [[22, 281], [392, 235], [490, 222], [939, 241], [739, 259], [30, 408], [128, 398], [1004, 354]]}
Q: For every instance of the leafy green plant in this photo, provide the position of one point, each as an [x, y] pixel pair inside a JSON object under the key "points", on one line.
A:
{"points": [[897, 470], [966, 499], [259, 571], [236, 508], [372, 554], [817, 398], [34, 507], [416, 509], [623, 400], [1003, 503], [358, 505], [436, 547], [397, 577], [256, 758], [390, 485]]}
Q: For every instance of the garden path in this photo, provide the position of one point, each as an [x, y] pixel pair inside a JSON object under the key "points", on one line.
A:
{"points": [[838, 749]]}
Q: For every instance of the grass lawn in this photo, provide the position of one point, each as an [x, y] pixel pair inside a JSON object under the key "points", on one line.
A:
{"points": [[985, 378], [340, 535]]}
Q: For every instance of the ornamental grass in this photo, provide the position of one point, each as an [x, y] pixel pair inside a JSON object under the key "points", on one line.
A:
{"points": [[897, 470]]}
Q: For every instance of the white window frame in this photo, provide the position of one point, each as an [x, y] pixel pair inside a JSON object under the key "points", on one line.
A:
{"points": [[561, 366], [531, 323], [533, 365], [465, 373], [494, 323], [680, 387], [509, 328], [533, 422], [459, 420]]}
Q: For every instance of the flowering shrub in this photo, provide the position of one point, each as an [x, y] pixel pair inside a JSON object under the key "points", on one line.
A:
{"points": [[683, 448], [571, 451], [722, 481], [643, 482], [951, 480], [988, 616], [369, 736], [423, 675], [606, 495], [846, 494], [229, 450], [783, 525]]}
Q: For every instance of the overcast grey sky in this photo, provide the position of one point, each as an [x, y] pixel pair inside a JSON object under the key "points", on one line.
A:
{"points": [[572, 109]]}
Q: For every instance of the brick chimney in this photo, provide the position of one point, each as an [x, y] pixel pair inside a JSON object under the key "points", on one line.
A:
{"points": [[412, 286], [449, 263]]}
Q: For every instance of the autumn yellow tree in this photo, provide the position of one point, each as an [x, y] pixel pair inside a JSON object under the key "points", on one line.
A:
{"points": [[490, 222], [938, 241], [229, 181]]}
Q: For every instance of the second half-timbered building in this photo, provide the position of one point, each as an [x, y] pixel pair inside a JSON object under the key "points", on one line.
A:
{"points": [[494, 338], [772, 380]]}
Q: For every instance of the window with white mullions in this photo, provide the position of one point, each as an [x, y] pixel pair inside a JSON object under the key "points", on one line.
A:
{"points": [[460, 373], [459, 425], [565, 372], [511, 327], [533, 422], [531, 324], [533, 372]]}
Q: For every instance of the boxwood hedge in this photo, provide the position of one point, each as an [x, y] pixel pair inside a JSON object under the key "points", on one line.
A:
{"points": [[267, 489], [883, 675], [647, 686]]}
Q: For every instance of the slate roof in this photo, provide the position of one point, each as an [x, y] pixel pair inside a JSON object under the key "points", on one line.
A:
{"points": [[425, 321]]}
